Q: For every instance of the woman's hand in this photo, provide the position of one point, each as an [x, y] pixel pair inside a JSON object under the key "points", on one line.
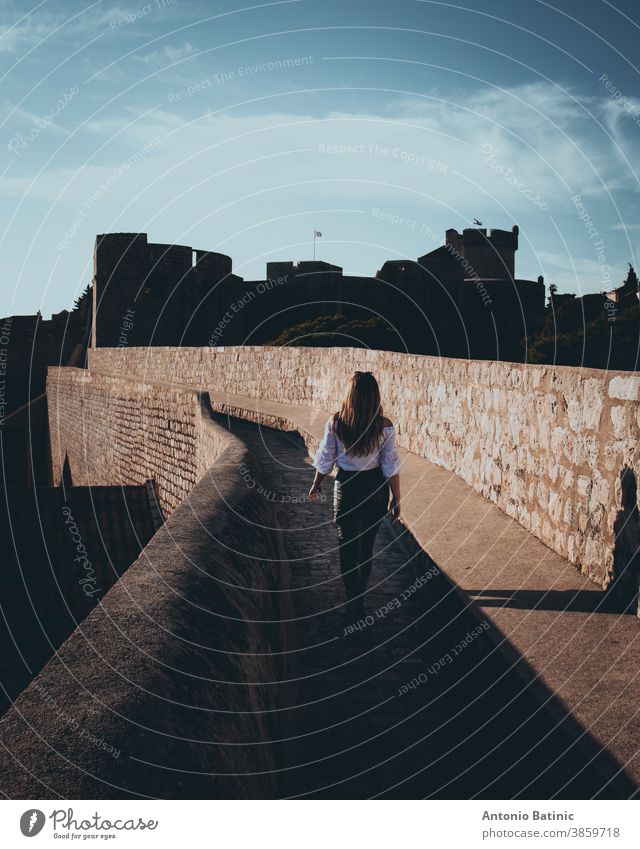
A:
{"points": [[394, 507], [315, 492], [316, 487]]}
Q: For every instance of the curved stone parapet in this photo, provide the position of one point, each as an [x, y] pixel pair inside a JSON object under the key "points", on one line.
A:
{"points": [[174, 682], [178, 663], [555, 447]]}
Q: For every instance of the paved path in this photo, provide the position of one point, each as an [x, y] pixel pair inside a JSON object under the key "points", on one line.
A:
{"points": [[550, 623], [418, 702], [547, 618]]}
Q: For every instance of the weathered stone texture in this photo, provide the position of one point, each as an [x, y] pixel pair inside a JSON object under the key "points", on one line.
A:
{"points": [[171, 686], [546, 444], [116, 431]]}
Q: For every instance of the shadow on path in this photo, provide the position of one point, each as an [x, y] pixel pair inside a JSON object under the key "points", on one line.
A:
{"points": [[418, 702], [567, 601]]}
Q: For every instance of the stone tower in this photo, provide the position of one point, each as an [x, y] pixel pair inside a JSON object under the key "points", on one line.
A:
{"points": [[491, 253], [146, 293]]}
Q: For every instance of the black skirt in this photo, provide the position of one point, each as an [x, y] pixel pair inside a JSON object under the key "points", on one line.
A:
{"points": [[361, 497]]}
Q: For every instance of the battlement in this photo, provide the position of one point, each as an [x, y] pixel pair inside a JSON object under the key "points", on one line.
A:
{"points": [[317, 267], [174, 260], [153, 291], [150, 293], [212, 264], [115, 252], [490, 252], [118, 252], [483, 235], [302, 267]]}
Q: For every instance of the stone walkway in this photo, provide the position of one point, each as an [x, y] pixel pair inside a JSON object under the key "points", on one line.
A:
{"points": [[551, 626], [418, 702]]}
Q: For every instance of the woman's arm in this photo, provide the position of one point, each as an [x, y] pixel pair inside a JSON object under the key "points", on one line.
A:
{"points": [[316, 486], [394, 486], [390, 462], [324, 460]]}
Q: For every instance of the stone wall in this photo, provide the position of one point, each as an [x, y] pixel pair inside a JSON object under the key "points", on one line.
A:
{"points": [[182, 659], [548, 445], [115, 431]]}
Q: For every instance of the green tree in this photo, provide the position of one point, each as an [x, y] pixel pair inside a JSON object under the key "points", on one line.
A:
{"points": [[83, 300], [336, 331]]}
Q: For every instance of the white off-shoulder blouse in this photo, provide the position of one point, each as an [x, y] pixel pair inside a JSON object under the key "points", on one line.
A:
{"points": [[332, 452]]}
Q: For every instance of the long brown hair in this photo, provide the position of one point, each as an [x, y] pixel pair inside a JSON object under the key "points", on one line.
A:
{"points": [[359, 423]]}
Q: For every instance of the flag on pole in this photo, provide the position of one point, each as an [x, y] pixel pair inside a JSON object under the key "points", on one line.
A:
{"points": [[317, 233]]}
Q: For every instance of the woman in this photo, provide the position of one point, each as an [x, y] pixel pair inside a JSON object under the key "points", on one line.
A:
{"points": [[360, 440]]}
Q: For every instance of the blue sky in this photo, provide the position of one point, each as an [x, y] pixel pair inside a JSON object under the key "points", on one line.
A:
{"points": [[239, 128]]}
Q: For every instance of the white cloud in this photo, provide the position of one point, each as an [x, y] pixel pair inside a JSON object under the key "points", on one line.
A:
{"points": [[20, 31], [570, 263], [581, 274], [549, 135], [542, 142], [623, 227], [219, 174], [166, 54]]}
